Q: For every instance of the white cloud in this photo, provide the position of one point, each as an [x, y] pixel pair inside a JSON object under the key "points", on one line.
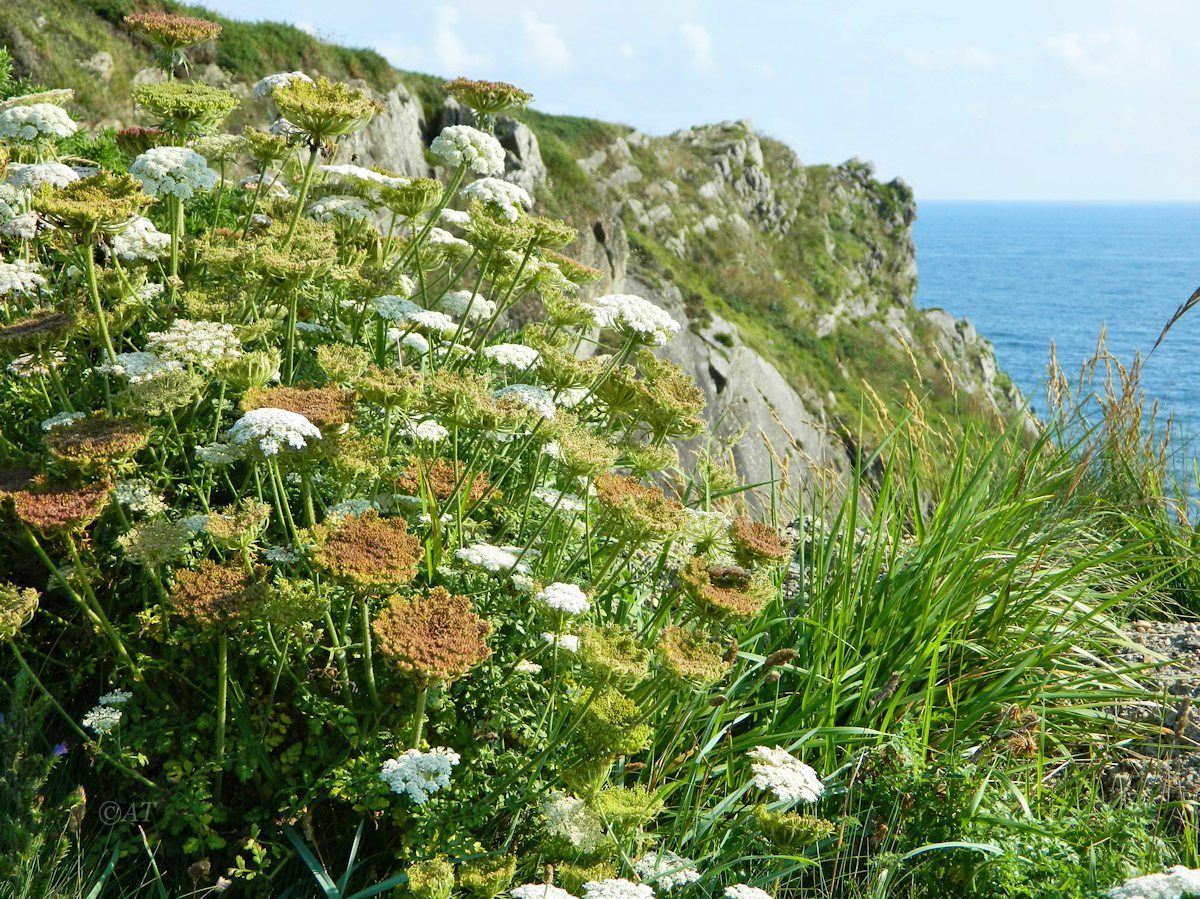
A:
{"points": [[444, 53], [626, 50], [699, 43], [306, 26], [1100, 54], [548, 49], [969, 58]]}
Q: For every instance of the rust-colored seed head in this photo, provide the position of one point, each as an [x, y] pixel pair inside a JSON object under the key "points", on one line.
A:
{"points": [[758, 542], [326, 407], [215, 594], [369, 550], [641, 509], [58, 508], [435, 637], [720, 592], [39, 328], [171, 31], [440, 479], [96, 439]]}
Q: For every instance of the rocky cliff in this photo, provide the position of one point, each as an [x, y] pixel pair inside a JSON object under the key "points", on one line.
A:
{"points": [[794, 284]]}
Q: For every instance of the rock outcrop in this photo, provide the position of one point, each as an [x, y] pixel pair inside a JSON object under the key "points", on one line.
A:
{"points": [[395, 137]]}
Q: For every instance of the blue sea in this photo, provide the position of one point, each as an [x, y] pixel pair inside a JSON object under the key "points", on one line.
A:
{"points": [[1027, 274]]}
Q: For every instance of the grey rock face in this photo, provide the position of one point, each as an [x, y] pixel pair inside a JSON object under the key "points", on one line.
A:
{"points": [[756, 418], [523, 163], [394, 138]]}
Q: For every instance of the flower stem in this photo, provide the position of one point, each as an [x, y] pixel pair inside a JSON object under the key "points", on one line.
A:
{"points": [[222, 703], [419, 717], [309, 168], [89, 266]]}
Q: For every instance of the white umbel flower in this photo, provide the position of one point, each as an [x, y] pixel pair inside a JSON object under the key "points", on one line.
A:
{"points": [[745, 891], [539, 891], [532, 397], [565, 598], [196, 342], [513, 355], [666, 870], [116, 697], [565, 642], [173, 172], [785, 775], [635, 317], [463, 145], [20, 278], [439, 237], [139, 367], [34, 175], [272, 431], [395, 308], [420, 774], [102, 719], [140, 496], [23, 226], [36, 122], [454, 217], [429, 431], [432, 322], [141, 241], [461, 303], [338, 207], [266, 86], [508, 198], [494, 559], [364, 175], [616, 888], [569, 817], [62, 418]]}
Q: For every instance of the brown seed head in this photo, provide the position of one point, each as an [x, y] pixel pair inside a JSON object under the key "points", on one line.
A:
{"points": [[369, 550], [172, 32], [440, 479], [96, 439], [435, 637], [757, 542], [720, 592], [487, 97], [40, 328], [58, 508], [216, 594], [644, 511]]}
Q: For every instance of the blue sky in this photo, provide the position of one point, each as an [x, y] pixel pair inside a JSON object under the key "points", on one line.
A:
{"points": [[1024, 99]]}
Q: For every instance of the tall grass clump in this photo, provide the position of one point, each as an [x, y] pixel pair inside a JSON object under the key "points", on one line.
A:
{"points": [[321, 572]]}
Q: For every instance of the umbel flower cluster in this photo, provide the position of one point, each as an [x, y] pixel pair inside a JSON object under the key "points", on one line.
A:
{"points": [[364, 499]]}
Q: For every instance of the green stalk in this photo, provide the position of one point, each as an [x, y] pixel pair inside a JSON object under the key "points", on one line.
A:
{"points": [[89, 266], [419, 717], [368, 657], [222, 703], [309, 168]]}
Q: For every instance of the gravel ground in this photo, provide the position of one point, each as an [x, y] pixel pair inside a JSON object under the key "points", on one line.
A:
{"points": [[1169, 767]]}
